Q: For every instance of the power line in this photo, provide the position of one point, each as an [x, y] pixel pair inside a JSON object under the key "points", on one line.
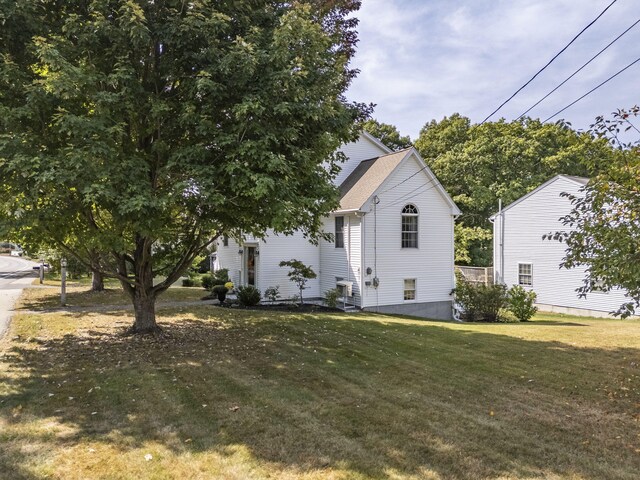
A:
{"points": [[406, 179], [409, 194], [593, 89], [578, 70], [548, 63], [632, 125]]}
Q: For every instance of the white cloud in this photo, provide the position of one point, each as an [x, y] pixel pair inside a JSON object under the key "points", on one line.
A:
{"points": [[423, 60]]}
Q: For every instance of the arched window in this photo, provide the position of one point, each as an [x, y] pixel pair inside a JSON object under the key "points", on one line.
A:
{"points": [[409, 226]]}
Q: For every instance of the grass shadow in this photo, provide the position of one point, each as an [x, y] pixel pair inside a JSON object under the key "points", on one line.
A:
{"points": [[365, 395]]}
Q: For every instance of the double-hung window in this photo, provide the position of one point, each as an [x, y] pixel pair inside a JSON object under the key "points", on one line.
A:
{"points": [[410, 226], [339, 232], [409, 288], [525, 274]]}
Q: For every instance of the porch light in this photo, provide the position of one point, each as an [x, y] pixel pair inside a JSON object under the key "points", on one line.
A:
{"points": [[240, 252]]}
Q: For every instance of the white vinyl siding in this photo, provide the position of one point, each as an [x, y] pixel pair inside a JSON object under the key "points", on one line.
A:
{"points": [[270, 254], [344, 263], [431, 264], [525, 223], [356, 152]]}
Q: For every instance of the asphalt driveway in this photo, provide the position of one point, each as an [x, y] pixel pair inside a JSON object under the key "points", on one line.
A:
{"points": [[15, 274]]}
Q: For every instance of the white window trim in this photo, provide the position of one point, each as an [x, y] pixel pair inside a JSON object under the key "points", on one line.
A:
{"points": [[335, 239], [415, 290], [417, 232], [518, 273]]}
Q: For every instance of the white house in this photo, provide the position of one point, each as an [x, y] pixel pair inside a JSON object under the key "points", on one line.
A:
{"points": [[393, 239], [522, 257]]}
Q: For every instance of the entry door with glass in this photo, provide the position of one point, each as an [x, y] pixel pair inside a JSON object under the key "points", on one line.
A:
{"points": [[250, 266]]}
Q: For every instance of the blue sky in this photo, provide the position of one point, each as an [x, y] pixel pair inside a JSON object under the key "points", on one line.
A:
{"points": [[427, 59]]}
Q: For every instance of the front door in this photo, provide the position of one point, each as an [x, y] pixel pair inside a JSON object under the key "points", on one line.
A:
{"points": [[251, 265]]}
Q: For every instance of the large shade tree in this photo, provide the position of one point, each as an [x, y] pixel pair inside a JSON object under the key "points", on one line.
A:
{"points": [[482, 164], [388, 134], [145, 129]]}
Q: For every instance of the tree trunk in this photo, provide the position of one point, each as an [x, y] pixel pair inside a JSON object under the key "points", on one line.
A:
{"points": [[143, 295], [97, 281], [145, 311]]}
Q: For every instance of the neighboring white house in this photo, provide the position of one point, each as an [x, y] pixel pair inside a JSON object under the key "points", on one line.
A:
{"points": [[522, 257], [393, 245]]}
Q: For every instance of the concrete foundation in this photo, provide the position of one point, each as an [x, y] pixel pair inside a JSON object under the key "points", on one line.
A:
{"points": [[578, 312], [434, 310]]}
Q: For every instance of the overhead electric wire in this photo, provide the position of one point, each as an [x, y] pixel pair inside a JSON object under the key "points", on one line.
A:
{"points": [[409, 177], [593, 89], [578, 70], [548, 63], [632, 125], [409, 194]]}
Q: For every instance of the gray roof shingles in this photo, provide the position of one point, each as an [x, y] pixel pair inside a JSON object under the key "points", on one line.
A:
{"points": [[367, 178]]}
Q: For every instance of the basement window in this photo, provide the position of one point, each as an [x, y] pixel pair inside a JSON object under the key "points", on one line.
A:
{"points": [[409, 288], [525, 274]]}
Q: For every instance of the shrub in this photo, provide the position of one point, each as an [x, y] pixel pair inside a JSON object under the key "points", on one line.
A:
{"points": [[248, 296], [272, 293], [480, 302], [521, 303], [331, 297], [219, 277], [220, 291], [188, 282], [207, 281]]}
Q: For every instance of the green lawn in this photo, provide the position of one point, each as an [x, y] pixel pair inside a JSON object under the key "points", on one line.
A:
{"points": [[235, 394], [79, 295]]}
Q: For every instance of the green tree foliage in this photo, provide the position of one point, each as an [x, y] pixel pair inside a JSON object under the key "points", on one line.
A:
{"points": [[469, 243], [387, 134], [145, 129], [479, 164], [603, 228], [299, 273]]}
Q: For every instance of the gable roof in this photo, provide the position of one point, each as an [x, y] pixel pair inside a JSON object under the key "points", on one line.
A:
{"points": [[375, 141], [367, 177], [371, 174], [581, 181]]}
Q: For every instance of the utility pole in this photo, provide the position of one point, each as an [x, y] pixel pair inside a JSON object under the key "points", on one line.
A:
{"points": [[63, 284]]}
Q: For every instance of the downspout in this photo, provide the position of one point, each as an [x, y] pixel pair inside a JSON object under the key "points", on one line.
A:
{"points": [[363, 244], [376, 201], [348, 248], [501, 213]]}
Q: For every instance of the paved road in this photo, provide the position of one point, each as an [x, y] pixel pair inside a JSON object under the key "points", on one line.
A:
{"points": [[15, 274]]}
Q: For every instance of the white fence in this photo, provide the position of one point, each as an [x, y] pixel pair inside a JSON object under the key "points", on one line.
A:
{"points": [[478, 275]]}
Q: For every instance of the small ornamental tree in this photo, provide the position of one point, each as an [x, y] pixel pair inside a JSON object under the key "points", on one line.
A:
{"points": [[299, 273], [145, 129]]}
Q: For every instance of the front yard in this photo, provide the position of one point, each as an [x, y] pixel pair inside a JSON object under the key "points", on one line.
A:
{"points": [[237, 394]]}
